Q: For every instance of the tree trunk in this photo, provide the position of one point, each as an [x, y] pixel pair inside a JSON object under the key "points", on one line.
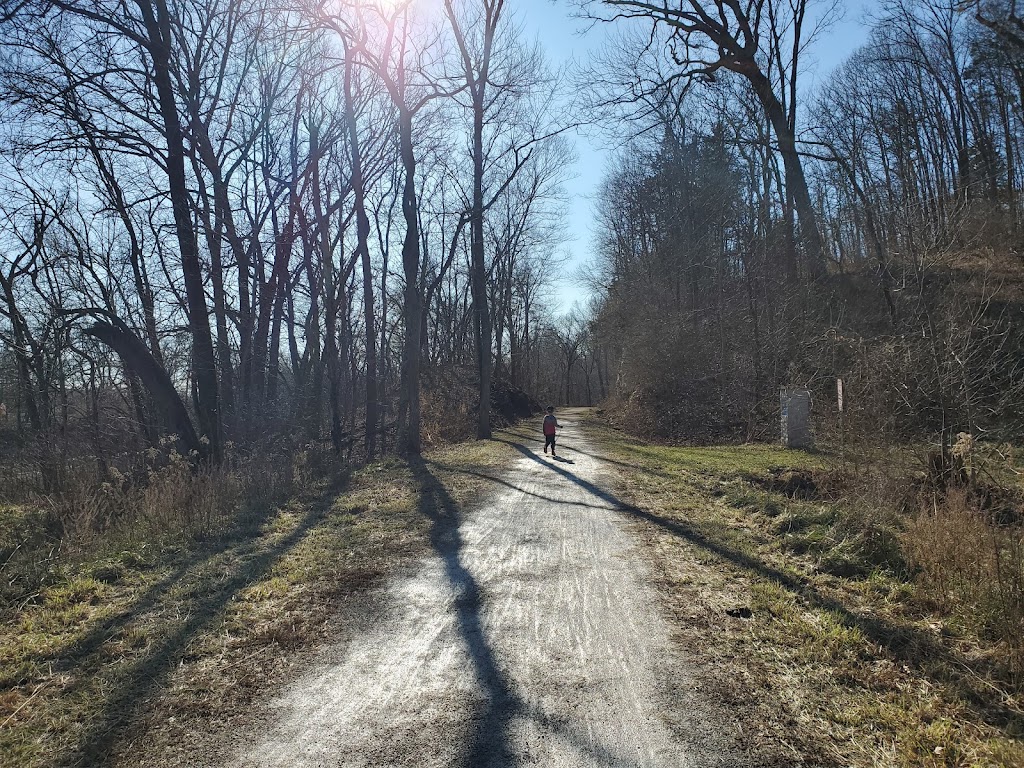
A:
{"points": [[157, 21], [478, 273], [363, 256], [796, 181], [139, 362], [409, 440]]}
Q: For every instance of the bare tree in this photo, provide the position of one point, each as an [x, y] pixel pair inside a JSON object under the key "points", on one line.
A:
{"points": [[391, 55], [706, 38]]}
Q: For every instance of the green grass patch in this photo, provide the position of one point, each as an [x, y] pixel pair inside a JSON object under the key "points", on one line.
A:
{"points": [[125, 637], [840, 660], [726, 461]]}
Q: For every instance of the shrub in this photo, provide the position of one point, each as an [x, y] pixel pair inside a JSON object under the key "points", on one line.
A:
{"points": [[168, 499], [972, 567]]}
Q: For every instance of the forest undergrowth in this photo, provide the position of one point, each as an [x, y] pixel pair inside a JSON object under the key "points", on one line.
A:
{"points": [[855, 610]]}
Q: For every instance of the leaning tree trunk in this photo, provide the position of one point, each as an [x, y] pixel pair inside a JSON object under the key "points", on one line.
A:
{"points": [[140, 363], [796, 181]]}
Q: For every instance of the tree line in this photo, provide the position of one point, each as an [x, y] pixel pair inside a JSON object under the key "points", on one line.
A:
{"points": [[236, 221], [226, 220], [761, 230]]}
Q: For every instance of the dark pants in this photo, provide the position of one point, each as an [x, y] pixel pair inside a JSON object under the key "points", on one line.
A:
{"points": [[549, 440]]}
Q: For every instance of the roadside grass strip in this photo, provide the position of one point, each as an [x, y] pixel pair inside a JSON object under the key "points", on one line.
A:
{"points": [[133, 647], [792, 591]]}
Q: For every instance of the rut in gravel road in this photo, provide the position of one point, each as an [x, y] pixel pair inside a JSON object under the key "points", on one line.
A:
{"points": [[528, 637]]}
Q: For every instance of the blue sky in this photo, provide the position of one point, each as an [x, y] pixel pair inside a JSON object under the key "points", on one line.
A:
{"points": [[564, 41]]}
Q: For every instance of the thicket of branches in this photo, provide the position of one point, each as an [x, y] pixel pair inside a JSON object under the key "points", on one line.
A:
{"points": [[755, 236], [237, 222]]}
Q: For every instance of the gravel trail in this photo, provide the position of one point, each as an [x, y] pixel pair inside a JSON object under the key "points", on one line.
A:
{"points": [[529, 637]]}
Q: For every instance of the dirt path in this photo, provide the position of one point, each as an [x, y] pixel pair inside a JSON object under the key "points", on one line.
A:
{"points": [[528, 637]]}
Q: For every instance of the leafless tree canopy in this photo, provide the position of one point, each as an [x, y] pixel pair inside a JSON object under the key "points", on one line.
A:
{"points": [[754, 233], [239, 223], [235, 222]]}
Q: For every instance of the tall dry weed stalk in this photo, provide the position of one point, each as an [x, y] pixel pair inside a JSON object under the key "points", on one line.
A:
{"points": [[167, 499], [85, 510], [172, 496], [178, 497], [972, 567]]}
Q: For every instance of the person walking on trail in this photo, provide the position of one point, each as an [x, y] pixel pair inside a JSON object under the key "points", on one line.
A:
{"points": [[550, 424]]}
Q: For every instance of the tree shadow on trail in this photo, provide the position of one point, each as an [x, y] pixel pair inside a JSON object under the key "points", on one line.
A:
{"points": [[490, 744], [608, 460], [220, 573], [909, 645], [494, 478]]}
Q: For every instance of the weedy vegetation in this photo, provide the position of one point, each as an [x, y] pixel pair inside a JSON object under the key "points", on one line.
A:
{"points": [[853, 613], [136, 610]]}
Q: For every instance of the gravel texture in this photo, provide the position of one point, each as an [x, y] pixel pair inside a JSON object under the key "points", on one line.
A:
{"points": [[529, 637]]}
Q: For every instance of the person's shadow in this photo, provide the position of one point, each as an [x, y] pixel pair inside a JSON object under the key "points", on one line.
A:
{"points": [[564, 461]]}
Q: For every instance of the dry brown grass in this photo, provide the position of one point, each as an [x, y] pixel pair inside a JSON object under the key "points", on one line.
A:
{"points": [[133, 649], [972, 570], [846, 658]]}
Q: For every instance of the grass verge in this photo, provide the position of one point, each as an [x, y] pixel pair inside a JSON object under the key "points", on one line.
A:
{"points": [[132, 646], [792, 592]]}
